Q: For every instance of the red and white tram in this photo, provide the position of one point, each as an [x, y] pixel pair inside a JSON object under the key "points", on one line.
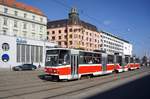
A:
{"points": [[70, 64]]}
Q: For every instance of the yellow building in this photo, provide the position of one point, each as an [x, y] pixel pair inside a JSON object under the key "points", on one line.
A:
{"points": [[74, 33]]}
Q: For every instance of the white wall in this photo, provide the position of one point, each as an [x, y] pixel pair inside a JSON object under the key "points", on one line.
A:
{"points": [[127, 49], [12, 51]]}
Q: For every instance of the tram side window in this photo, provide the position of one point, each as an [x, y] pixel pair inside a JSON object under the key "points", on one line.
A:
{"points": [[81, 60], [64, 57], [110, 59], [97, 58], [89, 58], [126, 59], [131, 60], [85, 58], [137, 60], [119, 60]]}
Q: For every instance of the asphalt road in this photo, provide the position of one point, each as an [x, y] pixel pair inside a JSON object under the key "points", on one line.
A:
{"points": [[28, 85], [138, 89]]}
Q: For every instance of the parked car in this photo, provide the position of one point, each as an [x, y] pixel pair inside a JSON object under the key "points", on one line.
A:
{"points": [[24, 67]]}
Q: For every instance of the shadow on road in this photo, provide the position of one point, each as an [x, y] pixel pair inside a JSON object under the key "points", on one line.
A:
{"points": [[43, 77], [138, 89]]}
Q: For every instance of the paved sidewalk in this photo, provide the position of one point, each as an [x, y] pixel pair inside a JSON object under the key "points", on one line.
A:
{"points": [[5, 69]]}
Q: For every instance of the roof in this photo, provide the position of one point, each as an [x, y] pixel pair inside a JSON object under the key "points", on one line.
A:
{"points": [[22, 6], [64, 22], [57, 23]]}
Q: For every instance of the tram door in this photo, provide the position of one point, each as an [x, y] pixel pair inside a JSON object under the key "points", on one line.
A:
{"points": [[74, 65], [127, 60], [104, 61], [123, 61]]}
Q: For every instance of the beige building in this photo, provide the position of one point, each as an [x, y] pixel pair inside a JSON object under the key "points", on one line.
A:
{"points": [[74, 33]]}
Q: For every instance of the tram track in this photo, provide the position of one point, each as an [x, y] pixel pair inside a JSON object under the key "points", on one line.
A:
{"points": [[92, 86], [62, 85]]}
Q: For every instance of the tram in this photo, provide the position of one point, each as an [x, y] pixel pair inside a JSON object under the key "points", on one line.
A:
{"points": [[68, 64]]}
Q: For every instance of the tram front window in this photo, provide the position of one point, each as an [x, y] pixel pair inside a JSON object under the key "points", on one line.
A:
{"points": [[57, 57], [51, 60]]}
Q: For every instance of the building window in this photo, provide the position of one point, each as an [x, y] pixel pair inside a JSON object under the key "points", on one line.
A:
{"points": [[41, 54], [79, 36], [90, 45], [5, 21], [59, 43], [5, 10], [70, 42], [5, 32], [86, 33], [82, 38], [33, 17], [15, 32], [41, 28], [90, 39], [52, 26], [47, 32], [70, 30], [58, 25], [32, 53], [41, 36], [53, 32], [87, 38], [70, 36], [24, 33], [53, 38], [65, 43], [15, 23], [33, 35], [65, 31], [16, 13], [95, 40], [23, 53], [25, 15], [59, 31], [59, 37], [18, 53], [41, 19], [65, 36], [33, 27], [82, 43], [24, 25], [27, 53]]}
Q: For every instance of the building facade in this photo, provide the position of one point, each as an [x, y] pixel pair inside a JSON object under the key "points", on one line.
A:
{"points": [[18, 19], [74, 33], [23, 34], [127, 50], [113, 44]]}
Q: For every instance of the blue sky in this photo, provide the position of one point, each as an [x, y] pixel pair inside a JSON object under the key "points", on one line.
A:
{"points": [[128, 19]]}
